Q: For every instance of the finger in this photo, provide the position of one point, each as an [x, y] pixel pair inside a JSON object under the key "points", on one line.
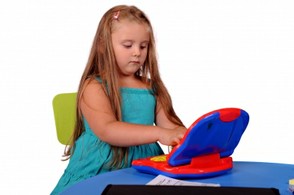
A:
{"points": [[176, 141]]}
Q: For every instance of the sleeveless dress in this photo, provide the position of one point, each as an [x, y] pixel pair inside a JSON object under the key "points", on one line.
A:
{"points": [[91, 155]]}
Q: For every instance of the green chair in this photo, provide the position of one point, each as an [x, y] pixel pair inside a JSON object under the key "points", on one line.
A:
{"points": [[64, 107]]}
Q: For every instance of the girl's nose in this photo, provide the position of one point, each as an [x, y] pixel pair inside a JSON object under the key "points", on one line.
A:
{"points": [[136, 51]]}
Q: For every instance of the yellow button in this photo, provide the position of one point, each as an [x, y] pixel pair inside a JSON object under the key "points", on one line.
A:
{"points": [[160, 158]]}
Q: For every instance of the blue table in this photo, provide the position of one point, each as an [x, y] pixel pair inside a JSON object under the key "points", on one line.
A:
{"points": [[243, 174]]}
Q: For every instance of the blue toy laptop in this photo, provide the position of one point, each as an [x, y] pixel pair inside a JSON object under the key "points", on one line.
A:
{"points": [[205, 148]]}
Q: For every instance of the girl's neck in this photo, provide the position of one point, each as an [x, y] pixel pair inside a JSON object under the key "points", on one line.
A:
{"points": [[131, 82]]}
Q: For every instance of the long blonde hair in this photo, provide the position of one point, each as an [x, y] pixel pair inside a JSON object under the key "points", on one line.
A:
{"points": [[102, 63]]}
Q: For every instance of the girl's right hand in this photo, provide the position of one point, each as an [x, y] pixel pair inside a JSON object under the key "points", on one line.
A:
{"points": [[171, 137]]}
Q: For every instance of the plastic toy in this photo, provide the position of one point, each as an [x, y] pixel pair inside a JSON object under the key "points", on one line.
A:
{"points": [[205, 149]]}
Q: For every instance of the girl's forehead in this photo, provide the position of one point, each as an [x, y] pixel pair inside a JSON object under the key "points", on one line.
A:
{"points": [[129, 25], [131, 31]]}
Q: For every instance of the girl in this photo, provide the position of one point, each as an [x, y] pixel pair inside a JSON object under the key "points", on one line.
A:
{"points": [[120, 98]]}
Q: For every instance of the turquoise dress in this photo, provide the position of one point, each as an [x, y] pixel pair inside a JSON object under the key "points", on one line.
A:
{"points": [[91, 155]]}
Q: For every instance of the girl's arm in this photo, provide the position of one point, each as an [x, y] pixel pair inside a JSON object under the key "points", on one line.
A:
{"points": [[164, 122], [97, 110]]}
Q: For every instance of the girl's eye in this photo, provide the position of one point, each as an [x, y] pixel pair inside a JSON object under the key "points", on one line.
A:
{"points": [[143, 46], [127, 46]]}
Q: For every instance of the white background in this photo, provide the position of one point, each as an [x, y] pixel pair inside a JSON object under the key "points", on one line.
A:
{"points": [[212, 54]]}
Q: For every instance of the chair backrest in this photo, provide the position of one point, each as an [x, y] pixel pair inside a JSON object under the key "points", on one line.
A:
{"points": [[64, 107]]}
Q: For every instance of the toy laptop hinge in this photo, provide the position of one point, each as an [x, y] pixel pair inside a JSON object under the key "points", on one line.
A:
{"points": [[210, 160]]}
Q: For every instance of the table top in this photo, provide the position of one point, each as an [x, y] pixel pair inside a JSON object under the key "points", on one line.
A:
{"points": [[243, 174]]}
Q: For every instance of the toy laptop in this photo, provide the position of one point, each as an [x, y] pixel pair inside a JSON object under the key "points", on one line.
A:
{"points": [[205, 148]]}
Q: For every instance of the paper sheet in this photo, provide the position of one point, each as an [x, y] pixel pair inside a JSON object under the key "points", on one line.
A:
{"points": [[164, 180]]}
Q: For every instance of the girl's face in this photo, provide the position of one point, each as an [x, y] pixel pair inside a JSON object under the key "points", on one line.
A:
{"points": [[130, 43]]}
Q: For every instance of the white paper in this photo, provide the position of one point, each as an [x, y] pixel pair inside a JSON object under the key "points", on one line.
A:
{"points": [[164, 180]]}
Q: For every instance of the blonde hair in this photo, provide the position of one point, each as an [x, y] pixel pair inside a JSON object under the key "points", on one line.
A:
{"points": [[102, 63]]}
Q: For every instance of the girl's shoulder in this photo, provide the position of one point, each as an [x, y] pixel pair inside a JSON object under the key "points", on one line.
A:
{"points": [[93, 94], [92, 83]]}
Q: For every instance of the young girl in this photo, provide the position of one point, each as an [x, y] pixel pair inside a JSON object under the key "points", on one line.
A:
{"points": [[123, 107]]}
